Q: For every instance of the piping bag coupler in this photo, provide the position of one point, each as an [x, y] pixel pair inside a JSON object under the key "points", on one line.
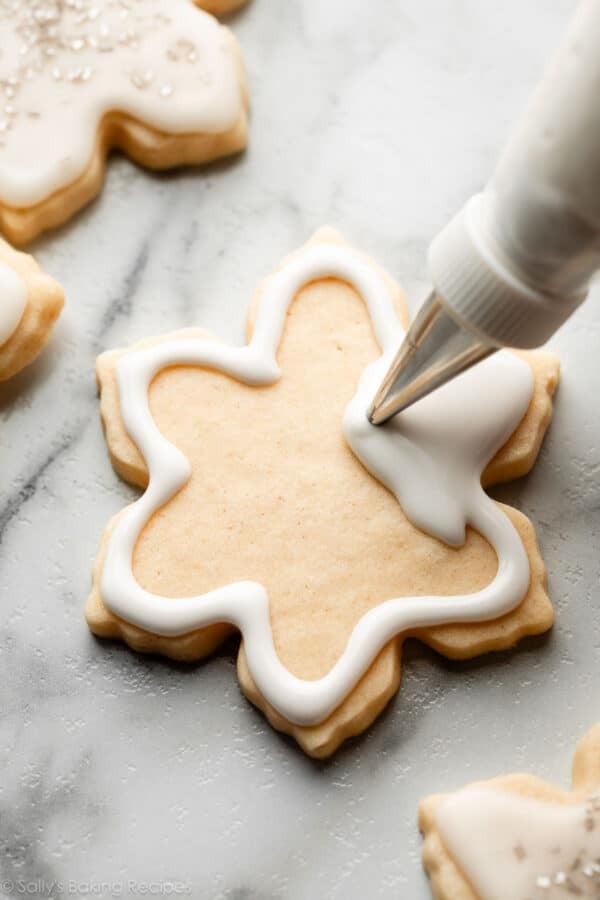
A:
{"points": [[517, 260]]}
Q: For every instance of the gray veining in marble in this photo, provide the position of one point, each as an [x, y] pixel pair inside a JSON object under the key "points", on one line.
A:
{"points": [[379, 118]]}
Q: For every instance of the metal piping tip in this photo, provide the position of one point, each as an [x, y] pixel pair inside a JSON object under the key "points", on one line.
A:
{"points": [[436, 348]]}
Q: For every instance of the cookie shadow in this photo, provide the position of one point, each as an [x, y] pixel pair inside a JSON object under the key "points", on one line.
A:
{"points": [[48, 240], [386, 737], [228, 650], [493, 659], [188, 172], [237, 15], [397, 725], [28, 379]]}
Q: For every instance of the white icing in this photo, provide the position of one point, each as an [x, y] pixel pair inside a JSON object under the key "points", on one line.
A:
{"points": [[13, 300], [431, 458], [64, 65], [507, 845]]}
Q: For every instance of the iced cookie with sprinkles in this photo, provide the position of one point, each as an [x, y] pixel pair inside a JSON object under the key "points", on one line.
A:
{"points": [[517, 837], [272, 507], [30, 302], [162, 80]]}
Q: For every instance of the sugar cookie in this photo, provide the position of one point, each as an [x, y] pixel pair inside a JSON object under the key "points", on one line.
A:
{"points": [[30, 303], [260, 517], [517, 837], [159, 79]]}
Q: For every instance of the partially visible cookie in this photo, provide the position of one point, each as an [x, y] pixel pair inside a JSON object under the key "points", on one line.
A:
{"points": [[516, 837], [161, 80], [30, 302]]}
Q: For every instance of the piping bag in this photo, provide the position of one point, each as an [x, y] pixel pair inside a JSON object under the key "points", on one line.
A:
{"points": [[518, 258]]}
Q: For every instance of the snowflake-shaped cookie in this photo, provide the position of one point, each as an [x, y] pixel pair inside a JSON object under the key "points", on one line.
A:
{"points": [[30, 302], [517, 837], [159, 79], [260, 515]]}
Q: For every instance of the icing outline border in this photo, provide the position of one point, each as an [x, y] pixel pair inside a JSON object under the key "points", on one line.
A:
{"points": [[245, 605]]}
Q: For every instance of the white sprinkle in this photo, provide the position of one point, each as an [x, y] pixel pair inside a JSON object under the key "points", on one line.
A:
{"points": [[137, 81], [48, 33], [105, 45]]}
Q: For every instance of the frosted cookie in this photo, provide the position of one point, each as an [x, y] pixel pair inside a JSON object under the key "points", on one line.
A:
{"points": [[159, 79], [273, 508], [30, 303], [516, 837]]}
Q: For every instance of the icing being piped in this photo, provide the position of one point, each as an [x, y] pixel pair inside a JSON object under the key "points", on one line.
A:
{"points": [[431, 458]]}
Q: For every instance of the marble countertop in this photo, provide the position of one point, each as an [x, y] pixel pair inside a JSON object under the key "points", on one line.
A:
{"points": [[379, 119]]}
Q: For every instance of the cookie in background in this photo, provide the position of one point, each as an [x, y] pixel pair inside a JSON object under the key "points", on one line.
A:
{"points": [[517, 837], [30, 303], [163, 82]]}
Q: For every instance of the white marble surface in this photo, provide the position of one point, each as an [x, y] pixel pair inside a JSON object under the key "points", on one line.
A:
{"points": [[379, 118]]}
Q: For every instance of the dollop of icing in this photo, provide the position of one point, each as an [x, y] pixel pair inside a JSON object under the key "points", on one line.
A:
{"points": [[431, 458], [508, 845], [64, 64], [13, 300]]}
